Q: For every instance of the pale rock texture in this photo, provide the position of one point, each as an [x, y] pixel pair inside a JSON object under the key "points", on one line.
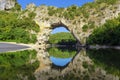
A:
{"points": [[7, 4]]}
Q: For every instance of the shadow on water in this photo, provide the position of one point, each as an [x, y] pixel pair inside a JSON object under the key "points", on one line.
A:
{"points": [[108, 59]]}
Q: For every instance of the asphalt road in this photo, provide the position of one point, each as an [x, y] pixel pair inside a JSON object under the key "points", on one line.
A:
{"points": [[5, 47]]}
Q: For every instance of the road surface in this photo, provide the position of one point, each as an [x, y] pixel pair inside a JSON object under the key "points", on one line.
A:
{"points": [[5, 47]]}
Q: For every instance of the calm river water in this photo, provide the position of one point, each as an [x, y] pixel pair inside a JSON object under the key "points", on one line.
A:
{"points": [[67, 64]]}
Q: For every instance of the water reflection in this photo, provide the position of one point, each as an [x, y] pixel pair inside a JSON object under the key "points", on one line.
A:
{"points": [[60, 61], [92, 64], [108, 59], [18, 65], [61, 56], [85, 65]]}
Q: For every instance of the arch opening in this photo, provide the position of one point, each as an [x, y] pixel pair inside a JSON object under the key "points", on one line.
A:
{"points": [[61, 35], [63, 45], [59, 24]]}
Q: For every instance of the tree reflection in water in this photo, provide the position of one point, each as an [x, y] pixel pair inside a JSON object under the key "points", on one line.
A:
{"points": [[108, 59], [85, 65]]}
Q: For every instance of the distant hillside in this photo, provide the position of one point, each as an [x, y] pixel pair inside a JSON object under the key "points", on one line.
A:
{"points": [[62, 38]]}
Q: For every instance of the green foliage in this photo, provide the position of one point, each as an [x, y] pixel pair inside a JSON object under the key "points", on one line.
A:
{"points": [[14, 64], [88, 26], [14, 29], [107, 1], [108, 34], [85, 28], [74, 11], [32, 15], [62, 53], [17, 7], [84, 12], [108, 59], [51, 11], [85, 64], [69, 14], [62, 38]]}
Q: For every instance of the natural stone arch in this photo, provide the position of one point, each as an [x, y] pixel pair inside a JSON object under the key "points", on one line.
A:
{"points": [[76, 24], [46, 29], [59, 24]]}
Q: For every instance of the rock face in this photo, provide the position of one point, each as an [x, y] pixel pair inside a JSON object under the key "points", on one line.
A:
{"points": [[75, 26], [7, 4]]}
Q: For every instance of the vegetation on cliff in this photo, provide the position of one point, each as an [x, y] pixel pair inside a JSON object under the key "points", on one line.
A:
{"points": [[18, 65], [107, 34], [69, 13], [63, 38], [15, 28], [17, 6], [73, 12], [106, 1]]}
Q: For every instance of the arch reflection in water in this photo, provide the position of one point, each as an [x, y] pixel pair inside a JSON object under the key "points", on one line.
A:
{"points": [[61, 56], [60, 61], [85, 65]]}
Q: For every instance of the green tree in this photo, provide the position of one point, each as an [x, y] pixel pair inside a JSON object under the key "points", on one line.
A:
{"points": [[107, 34]]}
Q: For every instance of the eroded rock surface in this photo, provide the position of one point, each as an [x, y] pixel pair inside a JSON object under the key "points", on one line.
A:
{"points": [[7, 4]]}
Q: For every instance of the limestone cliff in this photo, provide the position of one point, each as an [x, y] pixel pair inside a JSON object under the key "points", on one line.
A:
{"points": [[80, 21], [7, 4]]}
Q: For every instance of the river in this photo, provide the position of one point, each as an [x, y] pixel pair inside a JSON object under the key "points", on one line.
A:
{"points": [[67, 64]]}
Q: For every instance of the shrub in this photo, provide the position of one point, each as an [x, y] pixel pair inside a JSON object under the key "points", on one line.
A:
{"points": [[14, 29], [85, 28]]}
